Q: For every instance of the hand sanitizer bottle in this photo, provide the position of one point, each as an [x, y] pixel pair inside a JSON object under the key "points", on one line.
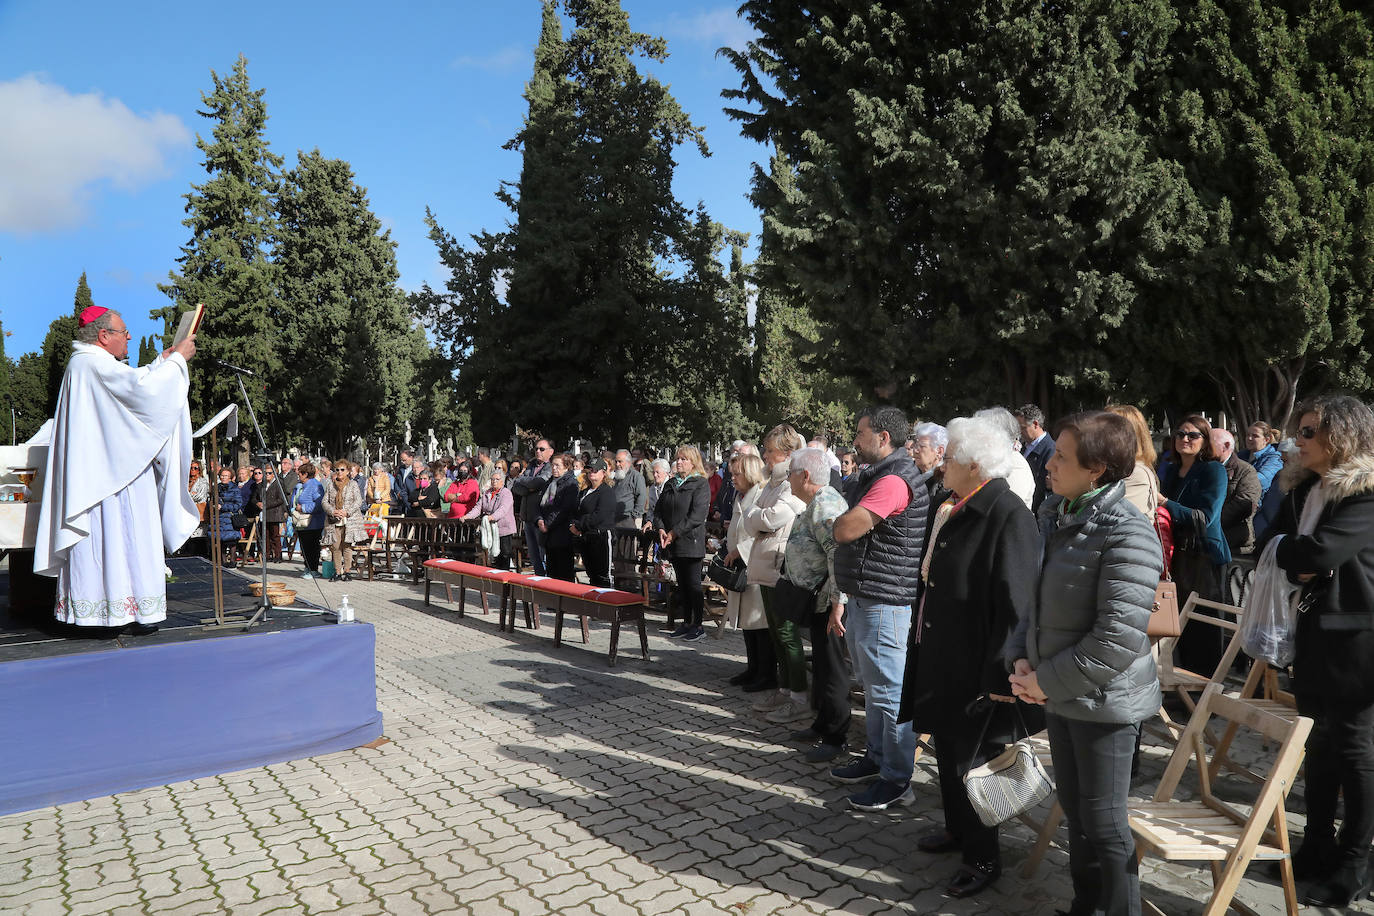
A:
{"points": [[345, 611]]}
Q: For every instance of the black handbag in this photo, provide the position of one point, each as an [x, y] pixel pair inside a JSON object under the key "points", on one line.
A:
{"points": [[733, 578], [793, 603]]}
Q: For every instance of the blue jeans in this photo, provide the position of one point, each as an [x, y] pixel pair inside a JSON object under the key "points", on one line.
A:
{"points": [[533, 548], [877, 635]]}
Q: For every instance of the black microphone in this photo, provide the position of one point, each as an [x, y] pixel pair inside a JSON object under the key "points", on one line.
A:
{"points": [[232, 368]]}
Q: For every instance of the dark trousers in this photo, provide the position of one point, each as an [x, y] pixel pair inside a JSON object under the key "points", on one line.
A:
{"points": [[502, 561], [787, 645], [829, 682], [559, 561], [1200, 647], [758, 653], [596, 557], [309, 541], [954, 748], [274, 541], [1092, 774], [1340, 759], [691, 598]]}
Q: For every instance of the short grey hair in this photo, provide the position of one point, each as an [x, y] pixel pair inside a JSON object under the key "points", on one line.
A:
{"points": [[980, 440], [90, 333], [814, 462], [497, 474], [937, 434], [625, 452], [1004, 419], [746, 448], [378, 466], [661, 463]]}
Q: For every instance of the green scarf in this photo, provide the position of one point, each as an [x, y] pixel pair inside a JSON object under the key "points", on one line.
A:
{"points": [[1071, 507]]}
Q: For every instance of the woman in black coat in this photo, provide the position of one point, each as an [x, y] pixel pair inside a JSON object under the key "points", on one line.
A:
{"points": [[978, 578], [680, 522], [1327, 521], [595, 519], [557, 506]]}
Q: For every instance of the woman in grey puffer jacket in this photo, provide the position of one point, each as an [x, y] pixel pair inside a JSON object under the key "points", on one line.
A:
{"points": [[1084, 652]]}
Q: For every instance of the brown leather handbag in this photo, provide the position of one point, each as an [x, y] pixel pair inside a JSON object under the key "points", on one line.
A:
{"points": [[1164, 616]]}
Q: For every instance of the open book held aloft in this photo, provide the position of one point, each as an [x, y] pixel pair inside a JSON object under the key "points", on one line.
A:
{"points": [[190, 323]]}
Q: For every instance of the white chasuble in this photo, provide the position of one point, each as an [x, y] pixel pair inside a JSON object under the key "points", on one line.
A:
{"points": [[115, 496]]}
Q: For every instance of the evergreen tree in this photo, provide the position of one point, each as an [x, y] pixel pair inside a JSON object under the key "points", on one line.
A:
{"points": [[29, 386], [147, 350], [344, 325], [1267, 107], [225, 264], [974, 195], [583, 282], [794, 375], [56, 348]]}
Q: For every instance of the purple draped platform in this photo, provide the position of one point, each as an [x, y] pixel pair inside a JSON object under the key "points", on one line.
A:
{"points": [[92, 724]]}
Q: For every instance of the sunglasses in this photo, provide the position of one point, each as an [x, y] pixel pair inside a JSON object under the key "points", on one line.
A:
{"points": [[1190, 436], [1308, 432]]}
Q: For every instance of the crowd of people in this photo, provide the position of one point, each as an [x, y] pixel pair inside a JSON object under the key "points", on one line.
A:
{"points": [[972, 577]]}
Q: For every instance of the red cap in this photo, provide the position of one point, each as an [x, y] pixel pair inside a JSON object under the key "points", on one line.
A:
{"points": [[91, 313]]}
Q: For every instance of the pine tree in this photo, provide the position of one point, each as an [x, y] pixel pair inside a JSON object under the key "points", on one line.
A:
{"points": [[225, 264], [147, 350], [596, 253], [344, 315]]}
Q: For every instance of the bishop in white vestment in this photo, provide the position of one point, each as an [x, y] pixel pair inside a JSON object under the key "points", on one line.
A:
{"points": [[115, 495]]}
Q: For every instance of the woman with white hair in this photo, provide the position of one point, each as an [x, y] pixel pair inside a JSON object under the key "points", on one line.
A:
{"points": [[745, 609], [1019, 477], [978, 580]]}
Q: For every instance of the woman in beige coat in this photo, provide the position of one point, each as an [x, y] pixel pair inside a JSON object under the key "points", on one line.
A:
{"points": [[745, 609], [769, 523], [343, 520]]}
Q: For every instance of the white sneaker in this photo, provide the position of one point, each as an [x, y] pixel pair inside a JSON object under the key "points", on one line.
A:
{"points": [[772, 701], [791, 711]]}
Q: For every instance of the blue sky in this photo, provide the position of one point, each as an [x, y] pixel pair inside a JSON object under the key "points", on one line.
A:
{"points": [[98, 123]]}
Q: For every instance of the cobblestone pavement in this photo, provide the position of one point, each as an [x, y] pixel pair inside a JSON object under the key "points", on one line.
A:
{"points": [[521, 778]]}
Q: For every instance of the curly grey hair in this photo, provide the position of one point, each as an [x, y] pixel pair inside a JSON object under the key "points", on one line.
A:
{"points": [[1004, 419], [981, 441], [937, 434]]}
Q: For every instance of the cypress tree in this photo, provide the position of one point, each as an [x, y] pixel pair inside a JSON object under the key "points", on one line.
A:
{"points": [[1267, 109], [344, 323], [596, 252], [225, 264], [974, 195]]}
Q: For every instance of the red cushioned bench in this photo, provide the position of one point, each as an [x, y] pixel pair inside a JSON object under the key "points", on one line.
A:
{"points": [[608, 604], [482, 579]]}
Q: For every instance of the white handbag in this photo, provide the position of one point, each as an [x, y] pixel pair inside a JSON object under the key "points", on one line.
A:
{"points": [[1009, 784]]}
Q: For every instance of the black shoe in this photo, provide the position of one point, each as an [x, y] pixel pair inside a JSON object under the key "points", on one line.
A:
{"points": [[761, 685], [973, 879], [1349, 880], [807, 735], [742, 678], [141, 629], [1313, 860], [937, 841], [824, 753]]}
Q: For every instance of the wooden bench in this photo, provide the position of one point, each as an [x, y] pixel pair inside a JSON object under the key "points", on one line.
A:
{"points": [[463, 576], [608, 604]]}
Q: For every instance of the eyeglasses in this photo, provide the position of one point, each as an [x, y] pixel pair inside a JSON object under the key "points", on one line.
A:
{"points": [[1308, 432], [1190, 436]]}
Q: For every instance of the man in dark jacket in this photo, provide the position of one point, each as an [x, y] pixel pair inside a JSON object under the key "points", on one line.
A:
{"points": [[529, 486], [1037, 448], [1243, 494], [877, 565]]}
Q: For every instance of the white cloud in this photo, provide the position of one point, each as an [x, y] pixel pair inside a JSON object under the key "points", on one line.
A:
{"points": [[57, 146], [722, 26], [503, 60]]}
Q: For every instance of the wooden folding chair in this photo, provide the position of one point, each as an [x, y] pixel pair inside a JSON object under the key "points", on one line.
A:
{"points": [[1212, 830], [1261, 689], [1181, 682]]}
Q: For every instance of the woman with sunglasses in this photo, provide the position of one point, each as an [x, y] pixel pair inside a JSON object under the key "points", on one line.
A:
{"points": [[1327, 524], [1194, 489], [343, 509]]}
